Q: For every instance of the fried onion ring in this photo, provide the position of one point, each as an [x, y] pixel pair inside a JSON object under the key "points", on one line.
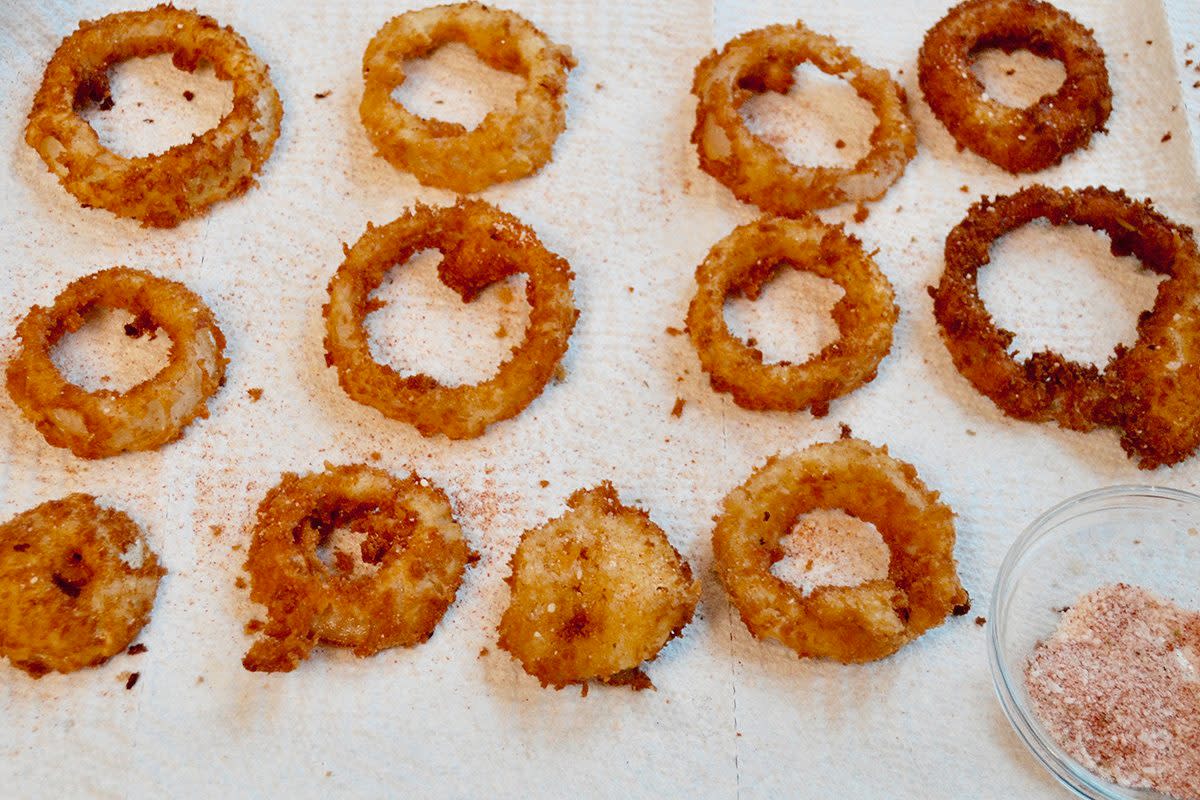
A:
{"points": [[749, 257], [508, 144], [845, 623], [105, 423], [755, 171], [77, 584], [1017, 139], [595, 593], [164, 189], [393, 594], [480, 245], [1147, 391]]}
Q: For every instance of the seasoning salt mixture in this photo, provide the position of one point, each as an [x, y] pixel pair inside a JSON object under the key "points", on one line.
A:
{"points": [[1117, 686]]}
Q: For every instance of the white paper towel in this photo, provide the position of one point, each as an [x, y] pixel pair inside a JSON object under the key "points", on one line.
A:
{"points": [[625, 203]]}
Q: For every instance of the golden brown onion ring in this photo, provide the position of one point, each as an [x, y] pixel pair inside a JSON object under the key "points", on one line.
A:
{"points": [[755, 171], [157, 190], [480, 245], [595, 593], [392, 593], [507, 144], [77, 583], [1147, 391], [746, 259], [106, 423], [844, 623], [1017, 139]]}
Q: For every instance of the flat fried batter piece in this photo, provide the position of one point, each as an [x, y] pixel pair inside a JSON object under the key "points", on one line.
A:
{"points": [[77, 583], [595, 593]]}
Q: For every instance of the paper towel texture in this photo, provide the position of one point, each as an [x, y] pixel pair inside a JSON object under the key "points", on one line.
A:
{"points": [[625, 203]]}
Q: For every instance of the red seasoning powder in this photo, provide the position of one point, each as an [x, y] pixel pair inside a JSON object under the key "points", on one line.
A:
{"points": [[1118, 687]]}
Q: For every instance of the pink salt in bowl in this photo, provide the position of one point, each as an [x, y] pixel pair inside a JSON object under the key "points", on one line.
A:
{"points": [[1140, 535]]}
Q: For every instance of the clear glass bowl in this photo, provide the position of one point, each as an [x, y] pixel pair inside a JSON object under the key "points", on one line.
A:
{"points": [[1141, 535]]}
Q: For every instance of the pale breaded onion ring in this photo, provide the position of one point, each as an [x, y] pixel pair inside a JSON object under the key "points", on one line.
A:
{"points": [[411, 539], [164, 189], [1147, 391], [757, 172], [508, 144], [480, 245], [152, 413], [746, 259], [845, 623], [1017, 139], [595, 593], [77, 584]]}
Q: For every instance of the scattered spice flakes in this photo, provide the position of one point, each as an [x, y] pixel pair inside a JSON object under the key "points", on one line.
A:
{"points": [[148, 120], [844, 431], [240, 582], [189, 95], [543, 483], [677, 409], [136, 649], [483, 652], [217, 530], [839, 144], [964, 189], [132, 680], [981, 621], [375, 455], [1166, 137], [1010, 71], [599, 87], [673, 331], [323, 95], [1149, 41], [255, 394], [629, 289], [861, 213]]}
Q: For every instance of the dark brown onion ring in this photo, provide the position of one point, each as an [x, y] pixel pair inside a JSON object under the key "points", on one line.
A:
{"points": [[1147, 391], [1017, 139]]}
